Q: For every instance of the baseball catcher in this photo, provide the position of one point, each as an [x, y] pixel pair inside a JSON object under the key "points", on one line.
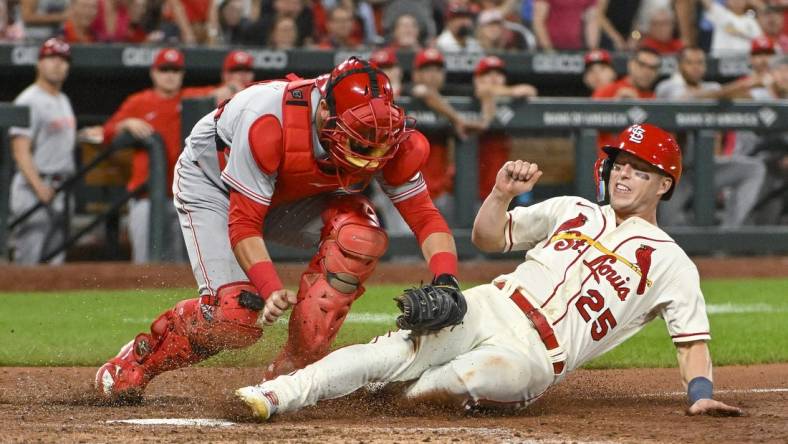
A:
{"points": [[287, 161]]}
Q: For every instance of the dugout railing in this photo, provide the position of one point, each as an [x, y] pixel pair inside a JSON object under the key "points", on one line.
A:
{"points": [[10, 115], [155, 188]]}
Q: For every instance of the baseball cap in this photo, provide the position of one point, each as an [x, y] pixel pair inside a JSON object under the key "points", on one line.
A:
{"points": [[489, 63], [238, 60], [458, 9], [428, 56], [384, 58], [55, 47], [597, 56], [762, 45], [490, 16], [168, 57]]}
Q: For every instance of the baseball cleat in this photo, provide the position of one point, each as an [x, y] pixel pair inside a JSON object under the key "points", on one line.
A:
{"points": [[262, 402], [119, 380]]}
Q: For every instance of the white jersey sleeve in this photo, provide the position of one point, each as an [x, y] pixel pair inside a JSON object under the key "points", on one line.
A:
{"points": [[527, 226], [717, 14], [684, 308], [399, 193], [242, 172]]}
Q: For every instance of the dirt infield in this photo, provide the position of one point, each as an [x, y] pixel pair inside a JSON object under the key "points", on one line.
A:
{"points": [[54, 405], [57, 405], [116, 275]]}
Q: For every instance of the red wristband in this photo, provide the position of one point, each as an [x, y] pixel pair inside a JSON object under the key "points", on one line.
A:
{"points": [[443, 263], [264, 278]]}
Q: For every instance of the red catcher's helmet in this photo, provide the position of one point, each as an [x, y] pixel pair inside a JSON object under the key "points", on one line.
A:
{"points": [[365, 127], [647, 142]]}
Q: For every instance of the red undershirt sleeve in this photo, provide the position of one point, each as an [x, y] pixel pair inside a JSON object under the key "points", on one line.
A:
{"points": [[245, 218], [421, 216]]}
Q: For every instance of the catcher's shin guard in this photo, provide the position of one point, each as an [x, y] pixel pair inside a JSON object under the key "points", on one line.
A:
{"points": [[192, 331], [351, 244]]}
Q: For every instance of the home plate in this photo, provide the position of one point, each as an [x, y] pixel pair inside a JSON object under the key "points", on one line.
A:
{"points": [[206, 422]]}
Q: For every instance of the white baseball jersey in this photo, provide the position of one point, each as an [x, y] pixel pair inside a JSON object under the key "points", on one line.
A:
{"points": [[596, 283], [599, 283]]}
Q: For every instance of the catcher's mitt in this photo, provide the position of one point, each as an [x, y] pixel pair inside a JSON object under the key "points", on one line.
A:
{"points": [[430, 307]]}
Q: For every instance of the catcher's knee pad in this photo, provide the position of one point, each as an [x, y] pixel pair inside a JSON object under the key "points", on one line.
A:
{"points": [[314, 323], [352, 241], [351, 244], [231, 318]]}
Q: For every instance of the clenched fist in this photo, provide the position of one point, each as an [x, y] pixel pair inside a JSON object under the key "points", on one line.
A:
{"points": [[517, 177]]}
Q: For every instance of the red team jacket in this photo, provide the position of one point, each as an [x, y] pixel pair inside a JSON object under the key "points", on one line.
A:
{"points": [[164, 115]]}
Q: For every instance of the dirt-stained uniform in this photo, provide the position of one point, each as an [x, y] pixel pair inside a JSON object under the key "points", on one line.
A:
{"points": [[593, 285], [587, 284], [259, 160]]}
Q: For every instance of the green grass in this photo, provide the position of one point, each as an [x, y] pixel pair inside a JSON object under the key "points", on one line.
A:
{"points": [[85, 328]]}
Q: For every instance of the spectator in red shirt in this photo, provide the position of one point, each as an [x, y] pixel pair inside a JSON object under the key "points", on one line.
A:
{"points": [[599, 70], [112, 21], [772, 22], [140, 26], [154, 110], [642, 74], [566, 24], [659, 33], [340, 30], [193, 21], [81, 14]]}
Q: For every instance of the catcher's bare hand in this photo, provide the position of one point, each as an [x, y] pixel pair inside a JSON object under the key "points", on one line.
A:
{"points": [[713, 407], [517, 177], [277, 304]]}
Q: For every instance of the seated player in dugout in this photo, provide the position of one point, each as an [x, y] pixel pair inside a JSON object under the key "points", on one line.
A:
{"points": [[495, 146], [593, 276], [598, 69], [429, 77], [237, 74], [286, 161]]}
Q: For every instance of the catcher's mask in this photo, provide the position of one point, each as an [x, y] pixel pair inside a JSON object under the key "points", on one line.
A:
{"points": [[647, 142], [364, 128]]}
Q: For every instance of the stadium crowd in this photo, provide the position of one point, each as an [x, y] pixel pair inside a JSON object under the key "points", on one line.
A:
{"points": [[747, 166]]}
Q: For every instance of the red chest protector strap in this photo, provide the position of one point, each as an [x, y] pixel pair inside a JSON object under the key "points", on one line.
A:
{"points": [[297, 126], [222, 149]]}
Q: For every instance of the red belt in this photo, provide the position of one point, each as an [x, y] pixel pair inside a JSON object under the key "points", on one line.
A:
{"points": [[541, 324]]}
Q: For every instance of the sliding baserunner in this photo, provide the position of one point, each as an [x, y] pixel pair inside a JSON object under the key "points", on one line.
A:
{"points": [[593, 277]]}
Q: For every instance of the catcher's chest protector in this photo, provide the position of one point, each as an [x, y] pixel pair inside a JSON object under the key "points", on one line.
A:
{"points": [[299, 174]]}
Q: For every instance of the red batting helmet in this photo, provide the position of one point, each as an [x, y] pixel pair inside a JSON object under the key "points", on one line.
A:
{"points": [[647, 142], [365, 127]]}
